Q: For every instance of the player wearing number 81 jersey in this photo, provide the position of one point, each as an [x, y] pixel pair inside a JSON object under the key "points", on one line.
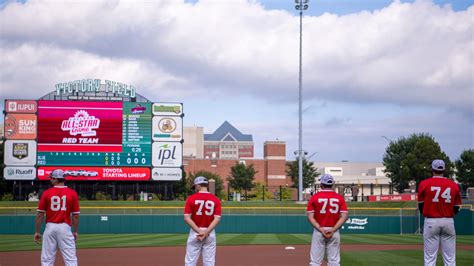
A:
{"points": [[202, 213], [58, 203], [327, 212], [439, 200]]}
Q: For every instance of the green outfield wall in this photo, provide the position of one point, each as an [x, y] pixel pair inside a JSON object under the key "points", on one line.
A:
{"points": [[120, 224]]}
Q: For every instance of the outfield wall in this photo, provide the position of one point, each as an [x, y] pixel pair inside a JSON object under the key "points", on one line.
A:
{"points": [[120, 224]]}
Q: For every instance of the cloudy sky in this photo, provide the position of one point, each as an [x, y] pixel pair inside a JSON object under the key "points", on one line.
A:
{"points": [[371, 68]]}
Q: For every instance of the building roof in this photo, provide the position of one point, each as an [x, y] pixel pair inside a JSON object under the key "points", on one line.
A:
{"points": [[227, 132]]}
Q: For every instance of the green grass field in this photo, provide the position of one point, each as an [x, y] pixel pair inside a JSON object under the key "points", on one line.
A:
{"points": [[391, 257]]}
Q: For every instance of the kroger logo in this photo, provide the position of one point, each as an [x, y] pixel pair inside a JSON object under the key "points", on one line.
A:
{"points": [[357, 221]]}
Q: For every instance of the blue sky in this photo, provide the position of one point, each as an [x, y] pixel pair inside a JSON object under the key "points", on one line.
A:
{"points": [[370, 68]]}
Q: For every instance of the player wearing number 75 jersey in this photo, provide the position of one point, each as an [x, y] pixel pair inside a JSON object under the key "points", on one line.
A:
{"points": [[58, 203], [326, 212], [439, 200], [202, 213]]}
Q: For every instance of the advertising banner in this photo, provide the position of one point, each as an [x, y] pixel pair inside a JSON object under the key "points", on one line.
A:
{"points": [[21, 106], [167, 154], [20, 126], [99, 173], [167, 128], [19, 173], [168, 109], [68, 126], [20, 153], [166, 174], [402, 197]]}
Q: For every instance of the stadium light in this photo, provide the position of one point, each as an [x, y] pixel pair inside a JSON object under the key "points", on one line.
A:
{"points": [[300, 6]]}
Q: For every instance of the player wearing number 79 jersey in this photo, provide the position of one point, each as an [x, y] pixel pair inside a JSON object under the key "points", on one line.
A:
{"points": [[327, 212], [439, 200], [202, 213], [58, 203]]}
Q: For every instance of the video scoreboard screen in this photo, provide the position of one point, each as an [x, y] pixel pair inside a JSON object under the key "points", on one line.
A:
{"points": [[94, 133]]}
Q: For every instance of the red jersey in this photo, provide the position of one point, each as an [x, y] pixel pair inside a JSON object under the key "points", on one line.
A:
{"points": [[59, 202], [439, 195], [327, 206], [203, 207]]}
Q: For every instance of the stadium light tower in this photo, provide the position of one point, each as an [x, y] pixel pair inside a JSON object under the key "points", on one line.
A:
{"points": [[301, 5]]}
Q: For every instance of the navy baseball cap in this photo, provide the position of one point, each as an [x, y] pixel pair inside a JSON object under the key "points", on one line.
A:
{"points": [[438, 165], [200, 180], [57, 173], [327, 179]]}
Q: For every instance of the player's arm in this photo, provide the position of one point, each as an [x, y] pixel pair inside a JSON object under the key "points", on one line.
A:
{"points": [[457, 201], [191, 223], [75, 225], [342, 219], [38, 223], [421, 198], [313, 222], [211, 227]]}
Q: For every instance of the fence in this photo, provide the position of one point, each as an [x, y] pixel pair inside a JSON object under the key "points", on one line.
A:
{"points": [[94, 220]]}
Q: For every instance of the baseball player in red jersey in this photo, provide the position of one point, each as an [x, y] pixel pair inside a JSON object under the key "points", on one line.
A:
{"points": [[327, 212], [439, 200], [202, 213], [58, 203]]}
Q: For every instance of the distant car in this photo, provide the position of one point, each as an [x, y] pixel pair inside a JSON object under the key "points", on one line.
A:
{"points": [[138, 109]]}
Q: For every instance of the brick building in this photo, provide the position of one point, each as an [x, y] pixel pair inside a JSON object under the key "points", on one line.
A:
{"points": [[271, 171], [227, 142]]}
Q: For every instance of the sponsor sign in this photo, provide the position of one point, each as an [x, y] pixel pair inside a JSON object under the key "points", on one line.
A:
{"points": [[167, 128], [94, 86], [99, 173], [402, 197], [21, 106], [19, 173], [167, 154], [166, 174], [20, 152], [168, 109], [356, 223], [20, 126], [67, 126]]}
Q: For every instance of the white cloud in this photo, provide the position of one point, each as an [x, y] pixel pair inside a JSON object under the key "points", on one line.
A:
{"points": [[406, 53]]}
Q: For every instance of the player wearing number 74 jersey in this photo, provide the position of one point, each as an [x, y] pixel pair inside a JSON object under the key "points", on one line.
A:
{"points": [[58, 202], [327, 212], [202, 213], [439, 200]]}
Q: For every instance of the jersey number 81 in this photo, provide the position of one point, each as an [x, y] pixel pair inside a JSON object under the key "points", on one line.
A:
{"points": [[208, 206]]}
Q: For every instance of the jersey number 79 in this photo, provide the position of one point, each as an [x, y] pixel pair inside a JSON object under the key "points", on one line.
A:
{"points": [[207, 205]]}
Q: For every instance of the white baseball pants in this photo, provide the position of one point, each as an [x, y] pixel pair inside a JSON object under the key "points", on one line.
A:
{"points": [[436, 231], [194, 247], [319, 245], [58, 236]]}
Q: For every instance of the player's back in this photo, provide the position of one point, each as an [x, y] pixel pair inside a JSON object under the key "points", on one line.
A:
{"points": [[327, 206], [59, 202], [203, 206], [439, 195]]}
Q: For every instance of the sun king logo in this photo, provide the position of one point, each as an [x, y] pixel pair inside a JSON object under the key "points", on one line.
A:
{"points": [[357, 221], [81, 124]]}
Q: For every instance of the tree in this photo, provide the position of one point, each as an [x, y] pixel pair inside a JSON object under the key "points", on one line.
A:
{"points": [[241, 177], [464, 168], [183, 188], [310, 173], [219, 183], [410, 159]]}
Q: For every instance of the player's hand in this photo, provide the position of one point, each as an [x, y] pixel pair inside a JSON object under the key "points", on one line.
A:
{"points": [[202, 235], [328, 233], [37, 238], [76, 236]]}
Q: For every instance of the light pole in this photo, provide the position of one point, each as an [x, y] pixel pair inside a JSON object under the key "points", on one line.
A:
{"points": [[300, 6]]}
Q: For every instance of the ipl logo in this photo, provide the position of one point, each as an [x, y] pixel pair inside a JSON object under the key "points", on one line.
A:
{"points": [[81, 124]]}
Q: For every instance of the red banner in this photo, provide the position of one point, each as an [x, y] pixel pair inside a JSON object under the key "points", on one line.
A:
{"points": [[401, 197], [70, 126], [98, 173]]}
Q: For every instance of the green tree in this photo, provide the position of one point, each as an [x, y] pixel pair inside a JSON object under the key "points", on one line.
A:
{"points": [[219, 183], [310, 173], [183, 188], [464, 168], [241, 177], [409, 158]]}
